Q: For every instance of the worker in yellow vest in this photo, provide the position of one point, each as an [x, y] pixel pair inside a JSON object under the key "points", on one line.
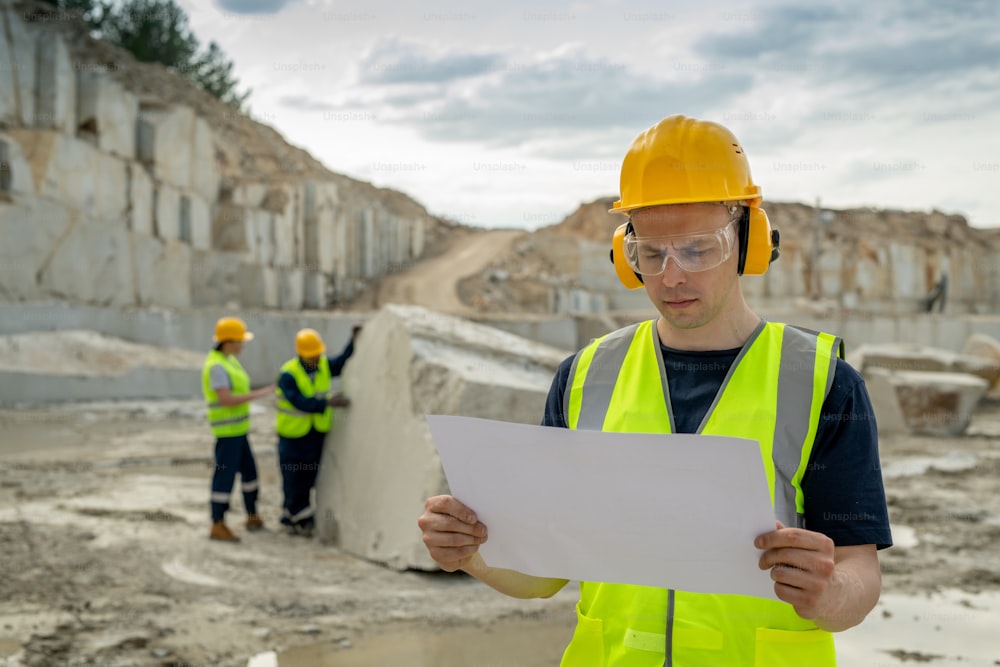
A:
{"points": [[710, 365], [226, 388], [304, 417]]}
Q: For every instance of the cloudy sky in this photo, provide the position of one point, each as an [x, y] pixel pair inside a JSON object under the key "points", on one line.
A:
{"points": [[512, 114]]}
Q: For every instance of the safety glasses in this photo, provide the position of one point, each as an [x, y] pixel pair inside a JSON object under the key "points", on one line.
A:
{"points": [[693, 252]]}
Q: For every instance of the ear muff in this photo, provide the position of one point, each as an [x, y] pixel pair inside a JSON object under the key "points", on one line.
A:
{"points": [[626, 275], [758, 243]]}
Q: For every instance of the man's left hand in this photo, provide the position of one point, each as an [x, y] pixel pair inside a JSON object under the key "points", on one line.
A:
{"points": [[802, 566]]}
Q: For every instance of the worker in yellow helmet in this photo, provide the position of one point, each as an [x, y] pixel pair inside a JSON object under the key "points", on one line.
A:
{"points": [[226, 388], [304, 417], [710, 365]]}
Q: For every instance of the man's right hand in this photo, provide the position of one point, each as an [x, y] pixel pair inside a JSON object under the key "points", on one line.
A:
{"points": [[451, 532], [338, 401]]}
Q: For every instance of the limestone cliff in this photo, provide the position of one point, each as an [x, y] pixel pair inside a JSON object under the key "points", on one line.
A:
{"points": [[122, 183]]}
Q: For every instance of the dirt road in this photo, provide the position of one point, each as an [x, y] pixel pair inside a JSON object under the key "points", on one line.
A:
{"points": [[432, 283], [106, 561]]}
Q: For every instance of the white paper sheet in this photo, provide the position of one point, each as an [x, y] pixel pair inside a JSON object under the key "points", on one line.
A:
{"points": [[674, 511]]}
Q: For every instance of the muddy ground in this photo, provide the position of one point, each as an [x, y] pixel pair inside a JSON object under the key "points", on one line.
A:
{"points": [[106, 561]]}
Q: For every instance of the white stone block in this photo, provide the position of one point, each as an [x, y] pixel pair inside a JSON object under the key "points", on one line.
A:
{"points": [[9, 114], [30, 227], [55, 92], [17, 169], [168, 212], [314, 292], [914, 357], [90, 264], [205, 174], [258, 286], [262, 229], [201, 222], [937, 403], [20, 65], [172, 144], [105, 108], [229, 228], [984, 347], [111, 183], [380, 463], [215, 277], [888, 415], [161, 271], [140, 200], [291, 288]]}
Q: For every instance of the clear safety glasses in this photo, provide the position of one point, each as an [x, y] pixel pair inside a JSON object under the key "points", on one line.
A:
{"points": [[648, 255]]}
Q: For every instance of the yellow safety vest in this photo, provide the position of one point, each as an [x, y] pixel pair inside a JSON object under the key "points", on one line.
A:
{"points": [[291, 422], [773, 394], [226, 421]]}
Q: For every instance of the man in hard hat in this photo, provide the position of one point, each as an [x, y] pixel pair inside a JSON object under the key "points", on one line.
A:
{"points": [[709, 365], [226, 387], [304, 417]]}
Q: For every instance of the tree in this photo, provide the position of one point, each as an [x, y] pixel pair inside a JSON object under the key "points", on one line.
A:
{"points": [[156, 31]]}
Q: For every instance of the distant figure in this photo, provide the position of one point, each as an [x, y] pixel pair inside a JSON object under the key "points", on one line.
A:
{"points": [[226, 387], [938, 294], [304, 417]]}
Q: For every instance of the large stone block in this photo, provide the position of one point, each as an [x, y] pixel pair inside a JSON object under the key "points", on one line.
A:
{"points": [[199, 222], [30, 228], [109, 111], [205, 174], [140, 200], [229, 228], [888, 415], [89, 264], [258, 286], [55, 91], [171, 144], [167, 212], [937, 403], [291, 288], [380, 463], [215, 278], [17, 174], [987, 348], [913, 357], [314, 291], [17, 100], [161, 272]]}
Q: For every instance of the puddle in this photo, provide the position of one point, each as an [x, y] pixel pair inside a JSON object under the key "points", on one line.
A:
{"points": [[950, 629], [520, 643]]}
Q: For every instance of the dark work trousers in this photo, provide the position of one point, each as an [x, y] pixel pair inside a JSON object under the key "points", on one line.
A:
{"points": [[299, 459], [233, 455]]}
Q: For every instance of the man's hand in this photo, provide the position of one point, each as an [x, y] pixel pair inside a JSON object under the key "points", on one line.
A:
{"points": [[802, 566], [263, 392], [451, 532], [355, 330], [338, 401], [835, 587]]}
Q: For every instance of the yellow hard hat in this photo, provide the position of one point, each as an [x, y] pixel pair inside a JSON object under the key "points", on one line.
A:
{"points": [[231, 329], [683, 160], [308, 343]]}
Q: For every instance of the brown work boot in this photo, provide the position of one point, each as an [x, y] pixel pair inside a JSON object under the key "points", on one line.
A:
{"points": [[222, 533], [254, 523]]}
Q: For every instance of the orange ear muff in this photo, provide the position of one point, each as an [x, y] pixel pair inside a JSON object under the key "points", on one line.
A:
{"points": [[761, 243], [626, 275]]}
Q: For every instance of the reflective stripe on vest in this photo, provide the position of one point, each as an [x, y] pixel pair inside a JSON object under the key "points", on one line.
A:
{"points": [[226, 421], [293, 423], [773, 393]]}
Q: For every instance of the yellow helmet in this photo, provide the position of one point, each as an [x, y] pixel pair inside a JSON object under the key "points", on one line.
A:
{"points": [[231, 329], [308, 343], [683, 160]]}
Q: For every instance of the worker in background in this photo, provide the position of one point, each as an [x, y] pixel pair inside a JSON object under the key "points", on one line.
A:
{"points": [[710, 365], [226, 387], [304, 417]]}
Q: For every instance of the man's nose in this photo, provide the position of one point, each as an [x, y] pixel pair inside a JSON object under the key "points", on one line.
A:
{"points": [[673, 274]]}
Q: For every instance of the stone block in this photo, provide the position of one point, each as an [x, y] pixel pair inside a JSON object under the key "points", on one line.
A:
{"points": [[167, 216], [229, 228], [200, 221], [291, 288], [215, 278], [111, 190], [16, 173], [30, 228], [205, 174], [140, 200], [172, 144], [380, 463], [109, 111], [17, 102], [258, 286], [888, 415], [161, 272], [314, 290], [983, 346], [913, 357], [55, 91], [938, 404], [89, 264]]}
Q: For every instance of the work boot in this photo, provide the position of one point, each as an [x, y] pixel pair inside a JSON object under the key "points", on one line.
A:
{"points": [[254, 523], [222, 533]]}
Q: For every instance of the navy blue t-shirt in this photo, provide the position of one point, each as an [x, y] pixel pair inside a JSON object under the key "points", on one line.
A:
{"points": [[842, 485]]}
